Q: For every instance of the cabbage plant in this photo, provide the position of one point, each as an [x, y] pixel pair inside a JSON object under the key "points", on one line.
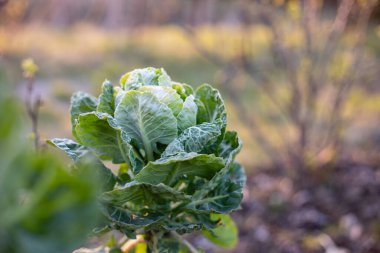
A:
{"points": [[176, 171]]}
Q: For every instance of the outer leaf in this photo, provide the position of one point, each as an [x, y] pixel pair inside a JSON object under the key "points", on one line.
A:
{"points": [[81, 103], [198, 139], [226, 193], [94, 131], [137, 196], [169, 170], [147, 76], [166, 95], [123, 219], [127, 207], [226, 234], [210, 105], [230, 146], [183, 226], [146, 121], [228, 149], [189, 220], [188, 115], [194, 185], [83, 158], [90, 162], [70, 147], [107, 99]]}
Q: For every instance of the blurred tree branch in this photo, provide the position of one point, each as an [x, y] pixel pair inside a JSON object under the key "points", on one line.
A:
{"points": [[302, 111], [32, 103]]}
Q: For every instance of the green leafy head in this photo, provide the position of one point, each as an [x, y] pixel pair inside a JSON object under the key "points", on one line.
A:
{"points": [[176, 158]]}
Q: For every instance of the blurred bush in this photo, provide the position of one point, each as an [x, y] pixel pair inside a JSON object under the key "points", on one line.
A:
{"points": [[43, 206]]}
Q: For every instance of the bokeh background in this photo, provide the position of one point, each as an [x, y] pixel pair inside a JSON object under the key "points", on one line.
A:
{"points": [[301, 80]]}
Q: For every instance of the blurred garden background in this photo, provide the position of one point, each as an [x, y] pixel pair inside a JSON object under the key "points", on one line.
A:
{"points": [[301, 81]]}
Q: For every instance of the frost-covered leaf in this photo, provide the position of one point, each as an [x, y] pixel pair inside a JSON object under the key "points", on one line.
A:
{"points": [[210, 105], [230, 146], [224, 192], [139, 195], [127, 206], [185, 165], [198, 139], [188, 220], [127, 221]]}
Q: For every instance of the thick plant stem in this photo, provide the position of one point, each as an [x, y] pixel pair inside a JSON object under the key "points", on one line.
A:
{"points": [[130, 244], [184, 242]]}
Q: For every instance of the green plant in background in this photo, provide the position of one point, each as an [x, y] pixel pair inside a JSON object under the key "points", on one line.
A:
{"points": [[43, 206], [177, 172]]}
